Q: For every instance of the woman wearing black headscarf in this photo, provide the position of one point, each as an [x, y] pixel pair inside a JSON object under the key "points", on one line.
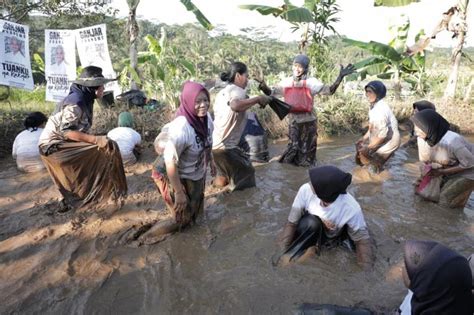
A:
{"points": [[439, 278], [383, 138], [85, 168], [449, 154], [299, 91], [323, 211], [417, 107]]}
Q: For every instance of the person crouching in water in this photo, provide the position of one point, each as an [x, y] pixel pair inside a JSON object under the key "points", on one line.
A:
{"points": [[127, 139], [25, 147], [323, 212], [450, 156], [85, 168], [299, 91], [230, 110], [184, 151], [383, 138]]}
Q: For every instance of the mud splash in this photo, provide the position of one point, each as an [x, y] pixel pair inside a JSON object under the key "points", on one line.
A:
{"points": [[89, 262]]}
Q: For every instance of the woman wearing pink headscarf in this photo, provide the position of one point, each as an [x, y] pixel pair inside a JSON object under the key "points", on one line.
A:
{"points": [[184, 151]]}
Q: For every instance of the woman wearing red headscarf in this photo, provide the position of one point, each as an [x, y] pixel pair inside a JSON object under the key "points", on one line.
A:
{"points": [[184, 150]]}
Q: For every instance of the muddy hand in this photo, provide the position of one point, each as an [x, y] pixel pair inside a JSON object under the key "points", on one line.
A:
{"points": [[180, 204], [263, 100], [101, 141], [349, 69]]}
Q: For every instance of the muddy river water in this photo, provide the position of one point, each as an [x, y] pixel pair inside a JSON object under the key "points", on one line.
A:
{"points": [[86, 262]]}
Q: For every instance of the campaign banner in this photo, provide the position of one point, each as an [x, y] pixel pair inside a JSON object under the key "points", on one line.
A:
{"points": [[15, 56], [60, 63], [94, 51]]}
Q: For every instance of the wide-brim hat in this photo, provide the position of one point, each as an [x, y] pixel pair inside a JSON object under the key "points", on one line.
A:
{"points": [[92, 76], [93, 82]]}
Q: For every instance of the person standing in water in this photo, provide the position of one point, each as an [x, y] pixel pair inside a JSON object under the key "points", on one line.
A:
{"points": [[230, 110], [324, 212], [184, 152], [383, 138], [299, 91]]}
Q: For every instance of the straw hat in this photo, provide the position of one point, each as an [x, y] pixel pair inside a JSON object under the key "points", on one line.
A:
{"points": [[92, 76]]}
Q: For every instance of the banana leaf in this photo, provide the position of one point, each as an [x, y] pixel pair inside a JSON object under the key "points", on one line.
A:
{"points": [[393, 3], [279, 107]]}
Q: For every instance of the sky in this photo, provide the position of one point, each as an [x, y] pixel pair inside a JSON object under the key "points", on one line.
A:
{"points": [[359, 19]]}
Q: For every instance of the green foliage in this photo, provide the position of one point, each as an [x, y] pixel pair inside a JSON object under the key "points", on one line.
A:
{"points": [[287, 12], [393, 3], [391, 62], [199, 16]]}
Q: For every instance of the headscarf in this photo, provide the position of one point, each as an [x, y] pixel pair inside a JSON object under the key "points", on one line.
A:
{"points": [[432, 123], [125, 119], [439, 277], [378, 88], [303, 60], [422, 105], [82, 95], [188, 99], [329, 182]]}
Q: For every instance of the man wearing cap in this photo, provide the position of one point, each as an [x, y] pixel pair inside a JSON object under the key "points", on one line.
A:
{"points": [[85, 168], [299, 91]]}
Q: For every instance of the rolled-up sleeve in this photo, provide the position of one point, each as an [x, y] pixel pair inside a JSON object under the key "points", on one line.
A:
{"points": [[70, 118], [463, 155]]}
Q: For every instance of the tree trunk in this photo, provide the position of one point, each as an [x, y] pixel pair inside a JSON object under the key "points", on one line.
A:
{"points": [[397, 88], [450, 91], [467, 96], [133, 30]]}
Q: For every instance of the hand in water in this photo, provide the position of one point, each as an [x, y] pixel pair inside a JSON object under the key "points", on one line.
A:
{"points": [[349, 69], [180, 204], [213, 169]]}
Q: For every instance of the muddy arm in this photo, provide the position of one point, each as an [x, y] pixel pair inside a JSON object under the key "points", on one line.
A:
{"points": [[287, 235], [365, 257], [78, 136]]}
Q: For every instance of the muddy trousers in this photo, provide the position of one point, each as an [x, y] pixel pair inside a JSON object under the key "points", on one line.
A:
{"points": [[455, 191], [309, 232], [302, 143], [234, 164]]}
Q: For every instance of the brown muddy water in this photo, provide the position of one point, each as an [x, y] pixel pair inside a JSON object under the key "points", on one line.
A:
{"points": [[87, 262]]}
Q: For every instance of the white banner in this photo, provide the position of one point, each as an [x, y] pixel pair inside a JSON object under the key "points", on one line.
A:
{"points": [[15, 56], [94, 51], [60, 63]]}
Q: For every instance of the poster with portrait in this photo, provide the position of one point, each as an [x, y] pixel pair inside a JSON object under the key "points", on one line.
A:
{"points": [[94, 51], [15, 56], [60, 63]]}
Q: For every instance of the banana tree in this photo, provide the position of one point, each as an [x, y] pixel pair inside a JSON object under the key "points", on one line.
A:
{"points": [[390, 61], [162, 70], [286, 11], [393, 3]]}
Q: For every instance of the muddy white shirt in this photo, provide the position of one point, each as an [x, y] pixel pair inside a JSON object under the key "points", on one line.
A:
{"points": [[315, 86], [345, 210], [126, 139], [186, 148], [26, 152], [228, 124], [71, 117], [383, 124], [452, 150]]}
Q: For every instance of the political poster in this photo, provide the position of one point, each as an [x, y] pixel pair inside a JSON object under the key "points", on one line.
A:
{"points": [[60, 63], [15, 56], [94, 51]]}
